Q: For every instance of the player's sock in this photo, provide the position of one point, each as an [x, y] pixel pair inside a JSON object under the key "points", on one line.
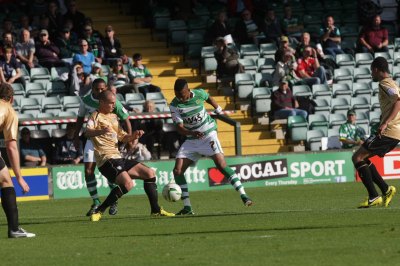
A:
{"points": [[114, 195], [150, 187], [366, 177], [233, 179], [9, 203], [378, 180], [91, 184], [112, 185], [181, 181]]}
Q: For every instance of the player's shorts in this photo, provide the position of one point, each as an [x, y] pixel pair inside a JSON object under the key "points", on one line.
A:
{"points": [[193, 149], [113, 167], [88, 154], [380, 146], [2, 163]]}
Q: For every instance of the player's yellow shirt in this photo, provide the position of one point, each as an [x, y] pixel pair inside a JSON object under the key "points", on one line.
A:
{"points": [[106, 145], [389, 94], [8, 121]]}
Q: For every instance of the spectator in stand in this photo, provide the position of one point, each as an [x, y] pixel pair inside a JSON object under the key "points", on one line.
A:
{"points": [[305, 40], [246, 29], [112, 47], [236, 7], [80, 81], [66, 152], [374, 38], [68, 46], [77, 18], [291, 25], [271, 27], [95, 33], [308, 66], [10, 69], [283, 104], [26, 50], [219, 28], [94, 42], [47, 52], [7, 42], [97, 72], [283, 48], [330, 37], [31, 154], [84, 56], [55, 18], [120, 79], [152, 127], [350, 134], [227, 60], [25, 24], [8, 26], [141, 77], [285, 69]]}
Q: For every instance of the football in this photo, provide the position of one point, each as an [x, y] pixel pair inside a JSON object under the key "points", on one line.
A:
{"points": [[172, 192]]}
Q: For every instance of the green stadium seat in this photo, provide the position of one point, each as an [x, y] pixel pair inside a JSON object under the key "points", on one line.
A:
{"points": [[298, 127], [363, 59], [39, 73], [314, 139]]}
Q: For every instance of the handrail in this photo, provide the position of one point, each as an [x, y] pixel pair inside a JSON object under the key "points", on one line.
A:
{"points": [[134, 116]]}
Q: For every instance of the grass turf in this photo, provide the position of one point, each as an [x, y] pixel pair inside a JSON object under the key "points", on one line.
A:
{"points": [[290, 225]]}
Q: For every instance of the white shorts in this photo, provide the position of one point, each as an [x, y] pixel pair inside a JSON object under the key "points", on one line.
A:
{"points": [[88, 154], [193, 149]]}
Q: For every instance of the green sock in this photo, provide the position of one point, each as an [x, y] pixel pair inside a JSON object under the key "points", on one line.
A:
{"points": [[181, 181], [233, 179], [91, 184]]}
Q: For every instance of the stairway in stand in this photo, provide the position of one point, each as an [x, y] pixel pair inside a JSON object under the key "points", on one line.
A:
{"points": [[166, 67]]}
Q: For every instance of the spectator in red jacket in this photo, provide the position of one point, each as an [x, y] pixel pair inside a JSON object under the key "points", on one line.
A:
{"points": [[374, 38]]}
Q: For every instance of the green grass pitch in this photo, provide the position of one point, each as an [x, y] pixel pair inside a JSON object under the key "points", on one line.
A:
{"points": [[290, 225]]}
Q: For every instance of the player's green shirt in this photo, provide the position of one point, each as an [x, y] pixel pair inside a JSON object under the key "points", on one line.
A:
{"points": [[89, 105], [192, 113]]}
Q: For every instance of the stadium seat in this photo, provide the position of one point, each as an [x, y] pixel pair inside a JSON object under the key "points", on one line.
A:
{"points": [[71, 102], [301, 91], [336, 120], [339, 104], [39, 73], [297, 126], [244, 85], [29, 104], [363, 59], [267, 49], [134, 98], [361, 74], [177, 31], [385, 55], [374, 117], [322, 105], [59, 73], [321, 90], [360, 104], [44, 115], [58, 133], [361, 88], [50, 103], [396, 58], [136, 107], [345, 60], [249, 65], [314, 139], [249, 51], [375, 105], [261, 100], [25, 116], [56, 88], [263, 80], [341, 74], [157, 97], [362, 115], [341, 89], [265, 63], [317, 121], [18, 89], [65, 114], [34, 89], [193, 45]]}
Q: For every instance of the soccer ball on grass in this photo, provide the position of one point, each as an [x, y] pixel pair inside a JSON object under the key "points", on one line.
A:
{"points": [[172, 192]]}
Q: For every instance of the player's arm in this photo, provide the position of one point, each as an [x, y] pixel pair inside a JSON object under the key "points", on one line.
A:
{"points": [[13, 156], [132, 137], [217, 109]]}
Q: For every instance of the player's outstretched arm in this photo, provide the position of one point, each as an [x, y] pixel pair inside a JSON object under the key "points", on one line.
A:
{"points": [[217, 108], [13, 156], [78, 127]]}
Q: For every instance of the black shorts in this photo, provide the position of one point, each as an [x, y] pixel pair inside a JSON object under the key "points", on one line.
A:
{"points": [[2, 163], [113, 167], [380, 146]]}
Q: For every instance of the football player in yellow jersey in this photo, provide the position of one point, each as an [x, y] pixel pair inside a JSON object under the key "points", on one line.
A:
{"points": [[104, 130], [387, 137], [9, 127]]}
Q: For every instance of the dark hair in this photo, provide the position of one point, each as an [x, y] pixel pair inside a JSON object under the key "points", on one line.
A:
{"points": [[6, 91], [98, 81], [381, 64], [105, 94], [137, 56], [180, 84], [25, 130]]}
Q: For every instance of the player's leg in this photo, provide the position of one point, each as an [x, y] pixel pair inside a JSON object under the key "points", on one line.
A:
{"points": [[9, 204], [181, 165], [229, 174], [90, 178], [141, 171], [361, 163]]}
